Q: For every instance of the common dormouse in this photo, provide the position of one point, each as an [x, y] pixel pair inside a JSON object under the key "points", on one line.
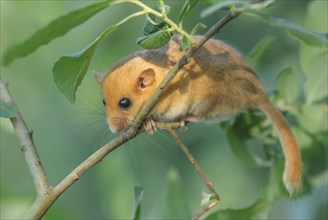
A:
{"points": [[216, 82]]}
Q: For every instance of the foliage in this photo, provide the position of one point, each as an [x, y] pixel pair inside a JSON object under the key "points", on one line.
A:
{"points": [[69, 71], [69, 77], [260, 50], [250, 212], [54, 30], [138, 194], [305, 103]]}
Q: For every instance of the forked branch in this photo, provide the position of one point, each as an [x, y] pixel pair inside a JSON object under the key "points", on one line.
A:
{"points": [[200, 171]]}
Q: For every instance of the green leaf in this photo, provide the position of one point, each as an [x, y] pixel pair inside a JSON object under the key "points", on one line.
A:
{"points": [[164, 8], [272, 190], [260, 5], [288, 86], [188, 6], [7, 110], [69, 71], [212, 2], [252, 212], [184, 44], [260, 50], [176, 207], [239, 148], [167, 9], [301, 33], [223, 5], [314, 60], [197, 28], [314, 63], [138, 195], [251, 126], [160, 4], [150, 25], [235, 5], [156, 34], [313, 118], [155, 40], [55, 29]]}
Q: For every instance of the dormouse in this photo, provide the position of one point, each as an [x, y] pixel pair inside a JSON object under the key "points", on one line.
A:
{"points": [[217, 82]]}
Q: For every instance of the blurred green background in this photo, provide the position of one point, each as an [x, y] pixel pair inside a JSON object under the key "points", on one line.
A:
{"points": [[66, 134]]}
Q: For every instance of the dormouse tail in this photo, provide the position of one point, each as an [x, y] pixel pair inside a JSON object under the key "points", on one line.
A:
{"points": [[293, 163]]}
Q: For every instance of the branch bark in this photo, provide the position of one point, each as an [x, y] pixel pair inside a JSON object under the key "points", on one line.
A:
{"points": [[47, 195], [24, 135]]}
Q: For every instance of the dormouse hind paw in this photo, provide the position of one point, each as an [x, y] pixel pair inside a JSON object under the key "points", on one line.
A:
{"points": [[182, 125]]}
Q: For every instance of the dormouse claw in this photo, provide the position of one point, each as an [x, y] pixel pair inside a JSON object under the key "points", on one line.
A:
{"points": [[149, 125]]}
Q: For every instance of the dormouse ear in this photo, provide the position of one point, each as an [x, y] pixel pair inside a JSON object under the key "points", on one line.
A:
{"points": [[145, 78], [99, 77]]}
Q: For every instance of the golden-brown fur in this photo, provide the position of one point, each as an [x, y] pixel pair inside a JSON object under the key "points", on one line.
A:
{"points": [[216, 82]]}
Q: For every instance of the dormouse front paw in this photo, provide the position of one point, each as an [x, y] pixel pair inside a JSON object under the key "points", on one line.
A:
{"points": [[149, 125]]}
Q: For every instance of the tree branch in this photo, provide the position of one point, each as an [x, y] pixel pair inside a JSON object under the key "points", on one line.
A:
{"points": [[27, 145], [40, 206], [212, 31]]}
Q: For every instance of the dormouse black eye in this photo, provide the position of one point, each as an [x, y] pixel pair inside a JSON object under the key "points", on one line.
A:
{"points": [[104, 102], [125, 103]]}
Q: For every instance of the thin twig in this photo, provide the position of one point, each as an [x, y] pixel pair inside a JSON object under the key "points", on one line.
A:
{"points": [[163, 16], [206, 209], [207, 182], [212, 31], [186, 151], [27, 145]]}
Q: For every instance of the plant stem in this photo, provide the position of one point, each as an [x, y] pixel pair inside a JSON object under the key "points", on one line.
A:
{"points": [[164, 17]]}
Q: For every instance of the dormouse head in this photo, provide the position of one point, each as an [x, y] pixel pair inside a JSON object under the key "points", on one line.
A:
{"points": [[125, 90]]}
